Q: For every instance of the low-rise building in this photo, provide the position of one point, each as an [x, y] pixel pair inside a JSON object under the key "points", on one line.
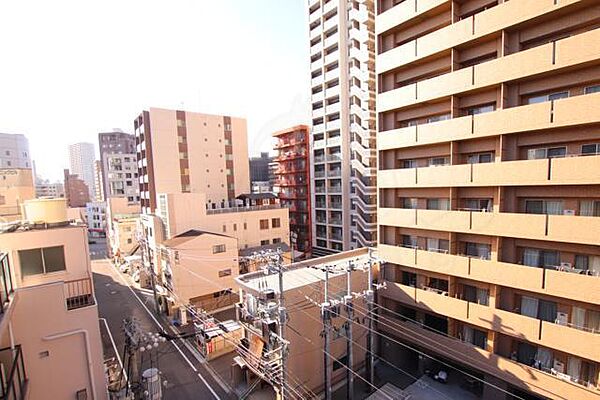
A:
{"points": [[76, 190], [46, 189], [49, 319], [16, 186], [96, 218], [122, 218]]}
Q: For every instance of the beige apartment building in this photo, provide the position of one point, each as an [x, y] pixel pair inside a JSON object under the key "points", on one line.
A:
{"points": [[245, 229], [122, 218], [489, 189], [16, 186], [49, 333], [188, 152]]}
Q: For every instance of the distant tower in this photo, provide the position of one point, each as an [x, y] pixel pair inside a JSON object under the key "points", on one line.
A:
{"points": [[81, 159]]}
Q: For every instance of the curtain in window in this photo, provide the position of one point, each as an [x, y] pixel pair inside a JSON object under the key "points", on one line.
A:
{"points": [[483, 251], [578, 317], [467, 334], [586, 208], [574, 368], [594, 265], [594, 321], [545, 357], [470, 293], [483, 296], [534, 206], [529, 306], [550, 258], [479, 338], [531, 257], [444, 204], [547, 311], [432, 244], [526, 353], [554, 207]]}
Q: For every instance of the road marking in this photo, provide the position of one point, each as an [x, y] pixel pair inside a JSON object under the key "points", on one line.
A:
{"points": [[173, 343], [115, 347]]}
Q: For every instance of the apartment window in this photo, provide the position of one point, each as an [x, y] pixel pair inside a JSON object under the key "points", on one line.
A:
{"points": [[592, 89], [264, 224], [42, 260], [218, 248], [539, 309], [480, 158], [547, 97], [276, 240], [437, 118], [410, 203], [409, 241], [550, 207], [409, 164], [477, 295], [438, 245], [234, 227], [589, 208], [481, 109], [225, 272], [550, 152], [224, 228], [409, 279], [588, 263], [590, 149], [437, 161], [183, 155], [245, 226], [478, 204], [438, 204], [478, 250], [129, 241], [275, 223], [180, 123], [540, 258], [264, 242], [474, 336]]}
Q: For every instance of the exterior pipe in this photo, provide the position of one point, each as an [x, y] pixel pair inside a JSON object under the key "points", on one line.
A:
{"points": [[87, 350]]}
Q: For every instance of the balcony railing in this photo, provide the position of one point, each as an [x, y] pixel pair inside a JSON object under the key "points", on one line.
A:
{"points": [[78, 293], [243, 209], [13, 378], [6, 285]]}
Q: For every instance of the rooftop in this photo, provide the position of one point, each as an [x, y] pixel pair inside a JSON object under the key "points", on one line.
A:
{"points": [[187, 236]]}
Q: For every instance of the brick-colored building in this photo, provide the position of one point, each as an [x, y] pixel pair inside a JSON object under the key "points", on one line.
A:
{"points": [[292, 180], [76, 191], [489, 189]]}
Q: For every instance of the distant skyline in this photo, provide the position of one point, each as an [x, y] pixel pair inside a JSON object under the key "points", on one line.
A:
{"points": [[93, 67]]}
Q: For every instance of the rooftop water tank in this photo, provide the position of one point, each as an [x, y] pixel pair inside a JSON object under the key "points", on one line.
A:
{"points": [[49, 211]]}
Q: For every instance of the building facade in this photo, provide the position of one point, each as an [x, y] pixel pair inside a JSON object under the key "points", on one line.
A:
{"points": [[76, 190], [343, 162], [14, 151], [188, 152], [81, 160], [16, 186], [292, 179], [122, 218], [46, 189], [119, 165], [49, 313], [96, 218], [98, 181], [488, 182], [259, 168]]}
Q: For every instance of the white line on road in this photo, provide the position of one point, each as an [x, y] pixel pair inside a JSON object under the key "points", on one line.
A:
{"points": [[115, 347], [173, 343]]}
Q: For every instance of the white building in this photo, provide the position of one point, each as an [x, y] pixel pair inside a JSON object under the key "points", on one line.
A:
{"points": [[343, 149], [81, 158], [14, 151], [121, 175], [46, 189], [96, 218]]}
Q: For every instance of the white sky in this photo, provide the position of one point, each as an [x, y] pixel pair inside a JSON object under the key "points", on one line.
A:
{"points": [[71, 69]]}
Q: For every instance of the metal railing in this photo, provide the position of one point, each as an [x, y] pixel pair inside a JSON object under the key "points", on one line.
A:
{"points": [[78, 293], [6, 284], [14, 382], [242, 209]]}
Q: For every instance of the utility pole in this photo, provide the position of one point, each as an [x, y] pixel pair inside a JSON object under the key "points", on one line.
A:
{"points": [[326, 316], [282, 321], [350, 311], [369, 297]]}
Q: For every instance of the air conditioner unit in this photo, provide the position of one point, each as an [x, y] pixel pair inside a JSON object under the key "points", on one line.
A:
{"points": [[566, 265], [568, 212]]}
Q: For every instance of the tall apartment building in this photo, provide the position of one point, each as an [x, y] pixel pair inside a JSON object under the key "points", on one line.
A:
{"points": [[81, 159], [50, 345], [292, 180], [119, 165], [14, 151], [188, 152], [489, 189], [98, 181], [343, 158], [259, 168], [76, 191]]}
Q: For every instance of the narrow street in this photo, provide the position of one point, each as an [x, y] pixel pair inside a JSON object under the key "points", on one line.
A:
{"points": [[187, 375]]}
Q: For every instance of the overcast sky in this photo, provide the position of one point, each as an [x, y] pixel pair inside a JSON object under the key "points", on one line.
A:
{"points": [[71, 69]]}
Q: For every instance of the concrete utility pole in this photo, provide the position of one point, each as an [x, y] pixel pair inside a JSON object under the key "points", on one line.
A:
{"points": [[326, 316], [349, 356], [369, 297]]}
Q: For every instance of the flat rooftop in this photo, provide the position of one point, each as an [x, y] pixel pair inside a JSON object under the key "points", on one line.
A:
{"points": [[303, 273]]}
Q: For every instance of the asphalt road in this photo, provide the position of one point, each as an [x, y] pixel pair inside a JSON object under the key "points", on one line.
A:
{"points": [[187, 375]]}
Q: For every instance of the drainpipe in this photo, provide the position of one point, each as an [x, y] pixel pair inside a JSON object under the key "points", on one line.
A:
{"points": [[87, 350]]}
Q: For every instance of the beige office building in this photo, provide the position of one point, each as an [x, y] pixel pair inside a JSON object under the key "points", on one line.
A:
{"points": [[188, 152], [49, 333], [489, 189]]}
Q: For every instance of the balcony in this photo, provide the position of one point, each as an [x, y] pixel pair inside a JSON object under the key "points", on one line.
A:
{"points": [[243, 209], [14, 377], [402, 12], [558, 228], [520, 375], [552, 171], [78, 293], [6, 286]]}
